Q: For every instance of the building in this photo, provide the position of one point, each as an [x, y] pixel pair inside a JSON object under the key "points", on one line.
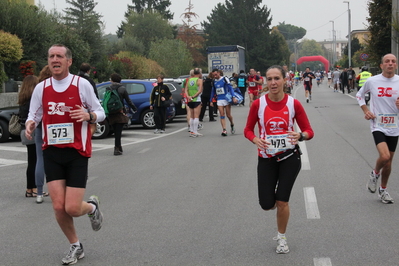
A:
{"points": [[329, 46], [362, 35]]}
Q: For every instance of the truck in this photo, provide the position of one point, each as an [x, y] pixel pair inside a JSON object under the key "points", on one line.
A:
{"points": [[229, 58]]}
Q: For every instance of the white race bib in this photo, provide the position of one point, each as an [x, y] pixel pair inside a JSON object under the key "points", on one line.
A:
{"points": [[278, 143], [387, 120], [252, 84], [60, 133], [219, 90], [307, 79]]}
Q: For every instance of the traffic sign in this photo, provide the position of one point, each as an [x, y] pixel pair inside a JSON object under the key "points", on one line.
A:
{"points": [[364, 57]]}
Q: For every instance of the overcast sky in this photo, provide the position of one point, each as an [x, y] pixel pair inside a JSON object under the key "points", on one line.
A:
{"points": [[313, 15]]}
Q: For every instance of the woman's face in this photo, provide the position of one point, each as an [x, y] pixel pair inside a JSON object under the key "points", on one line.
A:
{"points": [[275, 80], [159, 80]]}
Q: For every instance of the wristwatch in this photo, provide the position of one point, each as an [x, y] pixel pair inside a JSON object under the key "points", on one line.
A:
{"points": [[302, 137], [91, 117]]}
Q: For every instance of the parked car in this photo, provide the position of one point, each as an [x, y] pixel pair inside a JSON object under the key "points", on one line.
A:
{"points": [[5, 116], [139, 92]]}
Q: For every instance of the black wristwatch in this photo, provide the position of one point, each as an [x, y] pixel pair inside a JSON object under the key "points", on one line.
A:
{"points": [[302, 137], [91, 117]]}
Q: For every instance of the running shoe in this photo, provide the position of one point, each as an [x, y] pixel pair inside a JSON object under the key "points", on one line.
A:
{"points": [[200, 126], [161, 131], [156, 131], [224, 133], [233, 131], [310, 96], [75, 253], [307, 100], [96, 218], [384, 196], [372, 183], [193, 135], [282, 247]]}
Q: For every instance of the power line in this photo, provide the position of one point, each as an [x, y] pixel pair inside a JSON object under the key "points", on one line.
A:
{"points": [[328, 22]]}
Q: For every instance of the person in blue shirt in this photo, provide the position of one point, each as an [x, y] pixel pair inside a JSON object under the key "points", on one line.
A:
{"points": [[221, 87]]}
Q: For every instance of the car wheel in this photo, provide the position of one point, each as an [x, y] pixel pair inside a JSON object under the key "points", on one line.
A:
{"points": [[4, 134], [102, 130], [147, 119]]}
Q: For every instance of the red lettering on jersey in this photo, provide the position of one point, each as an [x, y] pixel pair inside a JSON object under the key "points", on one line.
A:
{"points": [[384, 92]]}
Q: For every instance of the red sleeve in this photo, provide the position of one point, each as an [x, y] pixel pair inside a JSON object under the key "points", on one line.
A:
{"points": [[251, 121], [302, 119]]}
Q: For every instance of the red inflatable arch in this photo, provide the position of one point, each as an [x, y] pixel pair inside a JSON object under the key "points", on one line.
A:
{"points": [[314, 58]]}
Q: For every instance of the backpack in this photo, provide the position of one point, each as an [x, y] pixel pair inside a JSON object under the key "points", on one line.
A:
{"points": [[112, 103], [241, 82]]}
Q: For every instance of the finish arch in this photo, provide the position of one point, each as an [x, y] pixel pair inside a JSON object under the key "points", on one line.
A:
{"points": [[314, 58]]}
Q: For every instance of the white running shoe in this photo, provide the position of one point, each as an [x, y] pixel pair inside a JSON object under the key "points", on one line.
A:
{"points": [[384, 196], [372, 183], [75, 253], [282, 247]]}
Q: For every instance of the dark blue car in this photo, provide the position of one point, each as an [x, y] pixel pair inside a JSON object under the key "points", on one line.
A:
{"points": [[139, 92]]}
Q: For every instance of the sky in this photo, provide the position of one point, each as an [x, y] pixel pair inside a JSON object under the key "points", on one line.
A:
{"points": [[312, 15]]}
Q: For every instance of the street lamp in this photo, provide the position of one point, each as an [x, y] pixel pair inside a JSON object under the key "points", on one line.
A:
{"points": [[349, 35], [334, 45]]}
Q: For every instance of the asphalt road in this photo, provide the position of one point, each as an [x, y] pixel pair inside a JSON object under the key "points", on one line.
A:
{"points": [[175, 200]]}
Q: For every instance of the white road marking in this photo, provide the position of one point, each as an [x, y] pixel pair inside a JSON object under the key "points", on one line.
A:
{"points": [[16, 149], [312, 210], [144, 150], [322, 262], [6, 162]]}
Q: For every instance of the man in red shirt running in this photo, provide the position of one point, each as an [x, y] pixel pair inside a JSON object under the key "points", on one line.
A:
{"points": [[253, 89]]}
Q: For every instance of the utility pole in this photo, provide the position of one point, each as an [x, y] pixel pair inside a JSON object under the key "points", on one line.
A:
{"points": [[395, 36], [349, 35], [334, 50]]}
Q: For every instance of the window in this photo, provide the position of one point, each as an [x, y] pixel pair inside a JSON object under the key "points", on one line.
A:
{"points": [[135, 88]]}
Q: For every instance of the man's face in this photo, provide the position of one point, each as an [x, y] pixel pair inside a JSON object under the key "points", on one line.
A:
{"points": [[252, 72], [307, 70], [216, 75], [58, 62], [389, 64]]}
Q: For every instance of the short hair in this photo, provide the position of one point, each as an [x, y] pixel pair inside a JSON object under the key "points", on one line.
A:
{"points": [[85, 67], [215, 69], [197, 71], [160, 76], [68, 52], [115, 77], [242, 71], [191, 72]]}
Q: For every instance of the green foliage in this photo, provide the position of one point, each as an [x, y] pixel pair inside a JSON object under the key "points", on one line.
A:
{"points": [[291, 32], [245, 23], [127, 43], [148, 27], [172, 55], [10, 47], [87, 24], [278, 45], [379, 44], [355, 46], [142, 6]]}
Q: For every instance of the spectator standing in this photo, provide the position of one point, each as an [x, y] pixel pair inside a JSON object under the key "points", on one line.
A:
{"points": [[159, 96], [119, 119], [194, 90], [84, 72], [45, 73], [68, 103], [24, 97], [241, 81], [351, 78], [344, 81], [206, 98]]}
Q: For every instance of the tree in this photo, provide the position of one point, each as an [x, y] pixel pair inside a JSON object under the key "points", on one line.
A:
{"points": [[147, 28], [188, 34], [241, 22], [10, 50], [278, 45], [355, 46], [172, 55], [379, 44], [142, 6], [87, 23], [291, 32]]}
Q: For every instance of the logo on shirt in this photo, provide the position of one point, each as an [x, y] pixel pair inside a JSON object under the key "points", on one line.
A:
{"points": [[277, 125], [386, 92], [58, 108]]}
